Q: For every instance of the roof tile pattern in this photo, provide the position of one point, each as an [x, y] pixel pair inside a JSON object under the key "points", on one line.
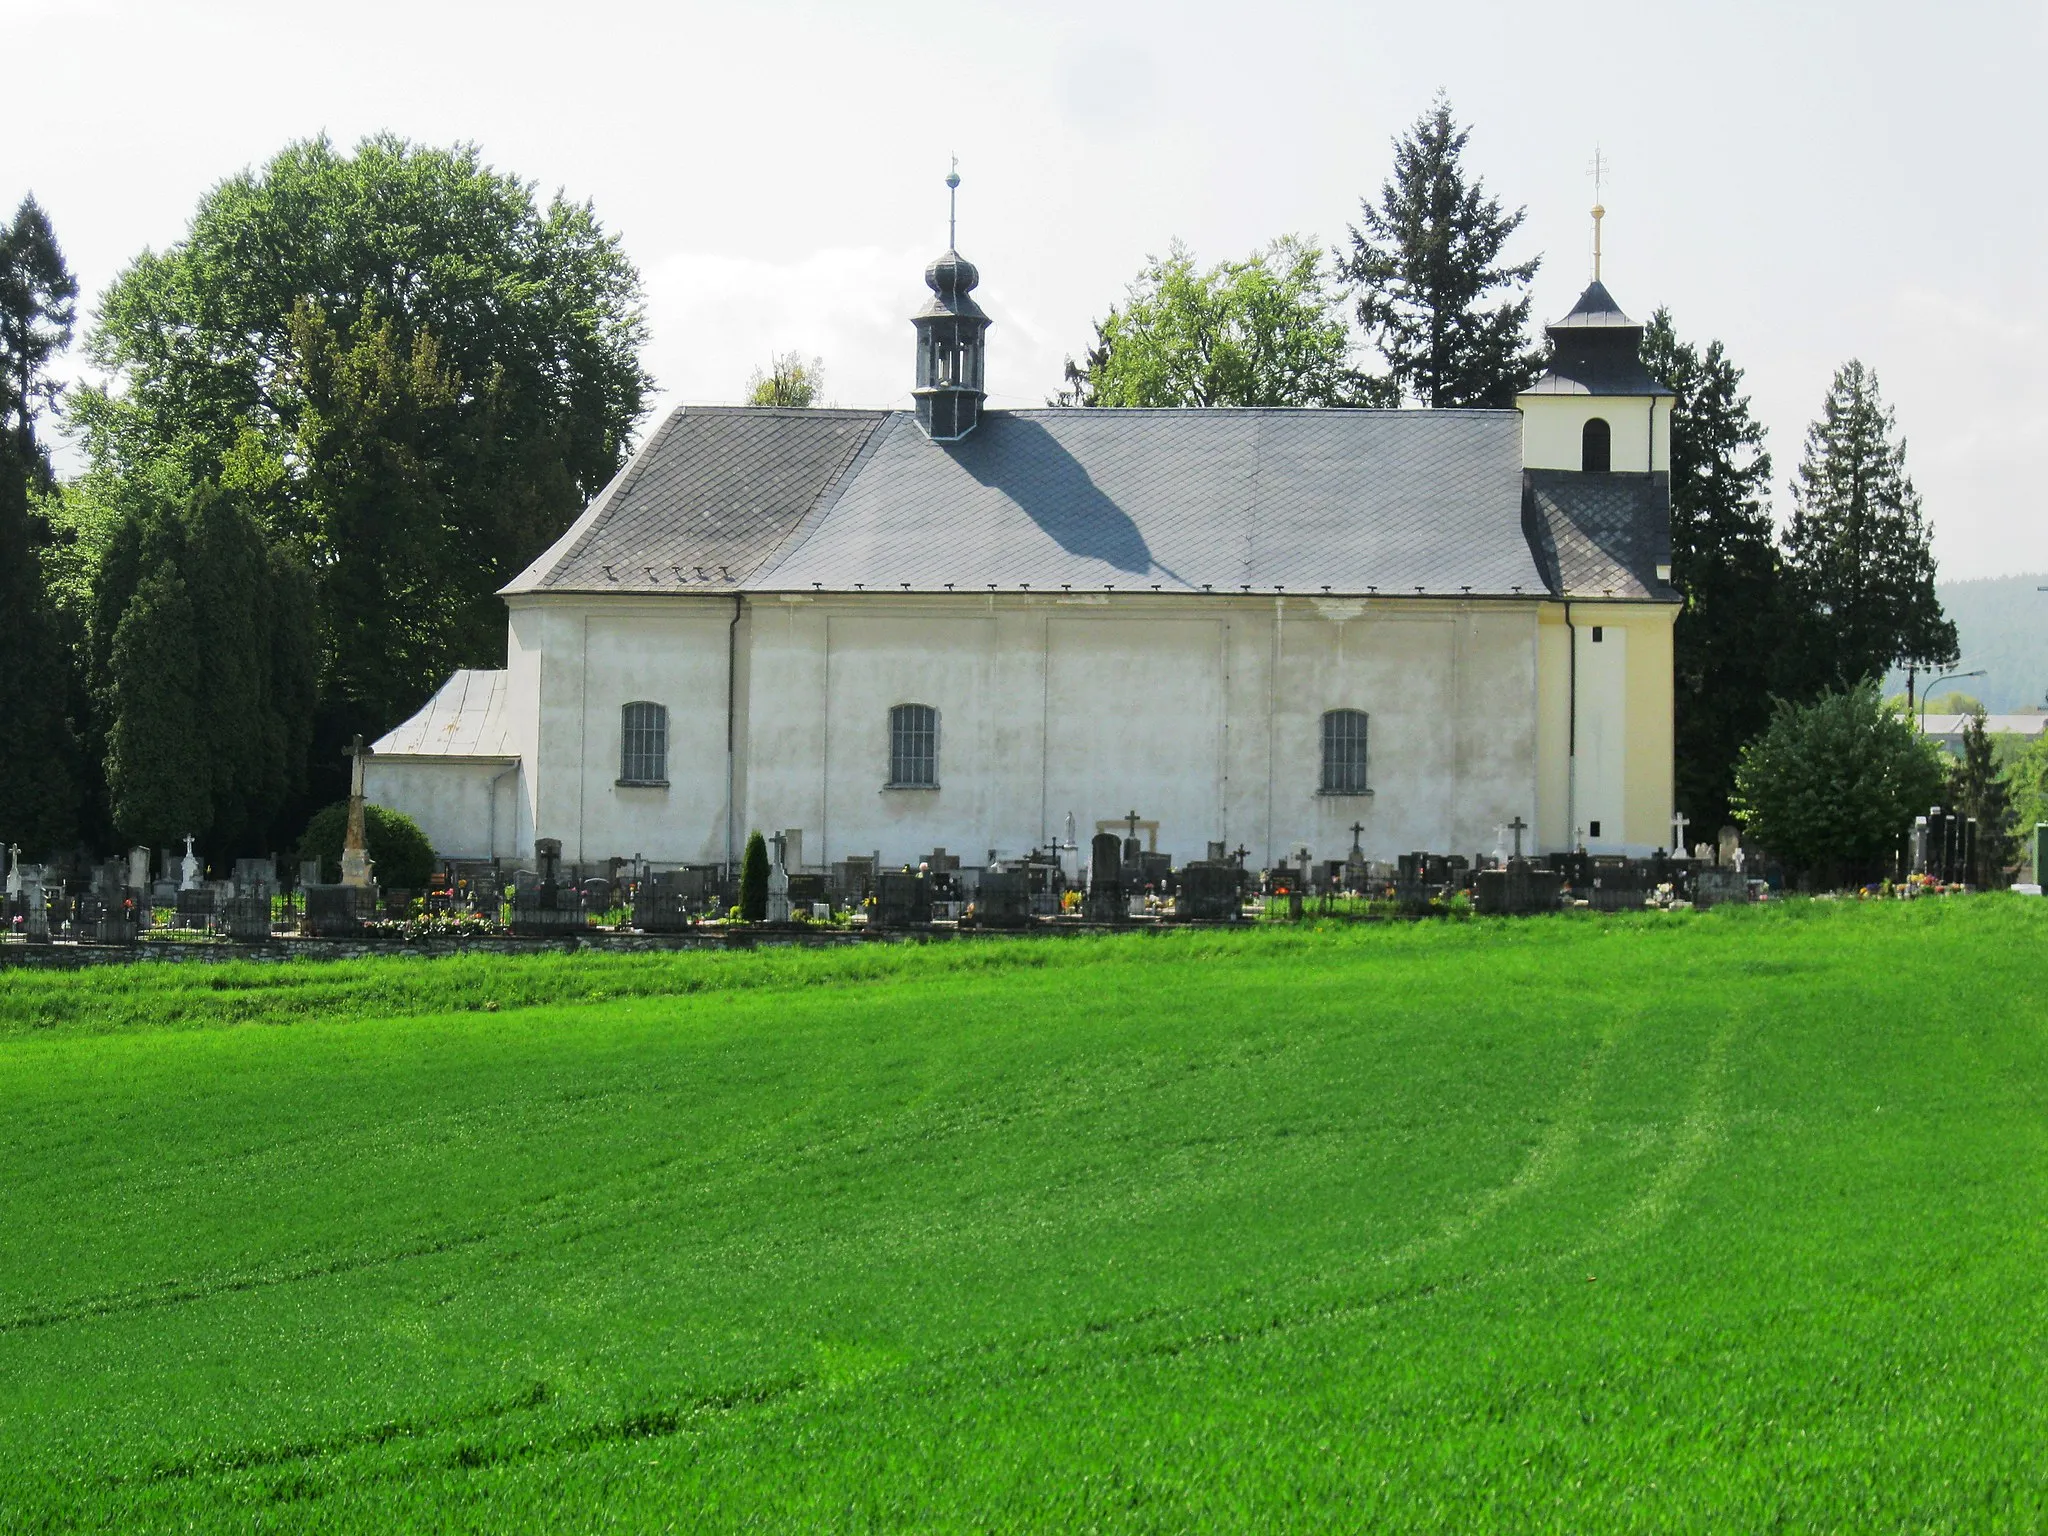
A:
{"points": [[464, 718], [1600, 535], [705, 502], [1180, 500], [1223, 500]]}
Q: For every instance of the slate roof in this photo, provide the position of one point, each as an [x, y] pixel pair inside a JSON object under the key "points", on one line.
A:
{"points": [[1599, 535], [704, 502], [1395, 502], [464, 718], [1596, 350]]}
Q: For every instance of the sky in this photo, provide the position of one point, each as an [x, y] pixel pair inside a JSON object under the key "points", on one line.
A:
{"points": [[1807, 183]]}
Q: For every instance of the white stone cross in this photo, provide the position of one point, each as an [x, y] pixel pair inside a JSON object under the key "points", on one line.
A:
{"points": [[188, 868], [1679, 822]]}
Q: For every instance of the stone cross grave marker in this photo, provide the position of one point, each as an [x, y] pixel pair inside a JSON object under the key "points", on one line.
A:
{"points": [[188, 867], [355, 848]]}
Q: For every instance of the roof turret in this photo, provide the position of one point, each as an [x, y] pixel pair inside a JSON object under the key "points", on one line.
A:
{"points": [[1596, 350]]}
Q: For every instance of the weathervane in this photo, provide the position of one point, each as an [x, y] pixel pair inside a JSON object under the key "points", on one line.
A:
{"points": [[953, 206], [1599, 173]]}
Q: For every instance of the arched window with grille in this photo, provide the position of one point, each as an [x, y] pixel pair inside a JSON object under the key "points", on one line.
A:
{"points": [[1344, 752], [643, 743], [913, 747], [1596, 447]]}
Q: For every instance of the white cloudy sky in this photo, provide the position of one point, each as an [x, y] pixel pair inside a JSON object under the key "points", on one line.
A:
{"points": [[1805, 182]]}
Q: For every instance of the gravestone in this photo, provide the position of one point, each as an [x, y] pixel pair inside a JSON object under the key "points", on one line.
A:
{"points": [[34, 899], [197, 906], [806, 891], [1105, 901], [1003, 899], [902, 900], [138, 870], [663, 902], [778, 880], [1728, 848], [188, 867], [248, 909], [1209, 891], [1518, 890], [336, 911], [1716, 885]]}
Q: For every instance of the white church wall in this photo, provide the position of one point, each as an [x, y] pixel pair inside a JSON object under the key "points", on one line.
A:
{"points": [[1599, 787], [1202, 716], [468, 807], [1553, 428]]}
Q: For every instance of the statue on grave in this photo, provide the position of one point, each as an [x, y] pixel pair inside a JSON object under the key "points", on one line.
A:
{"points": [[188, 867], [14, 869], [355, 848], [778, 878]]}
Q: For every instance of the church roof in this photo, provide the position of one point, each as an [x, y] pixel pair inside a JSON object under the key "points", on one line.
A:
{"points": [[464, 718], [1600, 535], [756, 499], [1596, 350]]}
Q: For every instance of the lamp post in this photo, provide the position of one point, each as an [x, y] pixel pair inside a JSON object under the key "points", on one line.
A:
{"points": [[1953, 677]]}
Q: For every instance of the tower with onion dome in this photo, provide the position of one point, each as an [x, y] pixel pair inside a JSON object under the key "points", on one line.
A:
{"points": [[952, 340]]}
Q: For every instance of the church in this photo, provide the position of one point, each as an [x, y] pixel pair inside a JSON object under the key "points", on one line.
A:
{"points": [[992, 631]]}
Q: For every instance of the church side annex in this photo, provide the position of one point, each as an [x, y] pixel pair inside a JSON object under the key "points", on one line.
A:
{"points": [[955, 626]]}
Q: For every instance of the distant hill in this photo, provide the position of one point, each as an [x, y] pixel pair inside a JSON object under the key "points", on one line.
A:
{"points": [[2002, 622]]}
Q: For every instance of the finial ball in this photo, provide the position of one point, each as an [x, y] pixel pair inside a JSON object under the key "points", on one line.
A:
{"points": [[952, 179]]}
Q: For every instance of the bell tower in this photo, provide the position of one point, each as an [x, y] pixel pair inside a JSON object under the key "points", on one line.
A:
{"points": [[952, 339]]}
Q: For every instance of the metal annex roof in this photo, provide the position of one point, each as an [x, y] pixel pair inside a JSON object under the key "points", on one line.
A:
{"points": [[464, 718]]}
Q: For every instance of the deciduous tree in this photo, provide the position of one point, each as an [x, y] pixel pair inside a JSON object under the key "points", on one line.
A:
{"points": [[1831, 786], [789, 380], [1268, 330], [1448, 315], [331, 298]]}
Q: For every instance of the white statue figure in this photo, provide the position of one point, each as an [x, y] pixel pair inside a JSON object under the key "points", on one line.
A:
{"points": [[188, 867]]}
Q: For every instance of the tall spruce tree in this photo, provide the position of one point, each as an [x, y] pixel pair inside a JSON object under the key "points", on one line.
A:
{"points": [[38, 745], [1724, 559], [209, 671], [1858, 558], [1976, 788], [1450, 318]]}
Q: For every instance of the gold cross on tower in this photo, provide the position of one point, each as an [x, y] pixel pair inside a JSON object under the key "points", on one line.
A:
{"points": [[1599, 175]]}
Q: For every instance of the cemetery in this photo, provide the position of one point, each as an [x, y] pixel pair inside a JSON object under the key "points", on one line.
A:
{"points": [[163, 901]]}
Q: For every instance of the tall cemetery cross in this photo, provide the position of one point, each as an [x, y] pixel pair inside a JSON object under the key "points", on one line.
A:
{"points": [[1357, 830], [1132, 818], [1679, 822], [355, 850], [1518, 827]]}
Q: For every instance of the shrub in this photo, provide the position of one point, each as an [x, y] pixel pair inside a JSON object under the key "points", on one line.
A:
{"points": [[400, 855], [754, 880], [1830, 787]]}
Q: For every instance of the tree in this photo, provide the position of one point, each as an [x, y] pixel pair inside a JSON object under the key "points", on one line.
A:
{"points": [[401, 857], [1975, 788], [1427, 265], [1724, 559], [396, 319], [1832, 786], [2026, 790], [754, 880], [1859, 563], [207, 675], [38, 744], [1268, 330], [789, 380]]}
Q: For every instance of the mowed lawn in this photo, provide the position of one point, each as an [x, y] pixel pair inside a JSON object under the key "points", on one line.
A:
{"points": [[1723, 1222]]}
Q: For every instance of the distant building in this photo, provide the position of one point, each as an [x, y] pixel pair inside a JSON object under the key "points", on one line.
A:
{"points": [[1947, 730], [960, 626]]}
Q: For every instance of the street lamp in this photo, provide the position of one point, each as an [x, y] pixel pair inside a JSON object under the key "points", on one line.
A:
{"points": [[1953, 677]]}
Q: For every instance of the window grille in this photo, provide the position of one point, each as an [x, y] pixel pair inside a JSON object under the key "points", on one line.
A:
{"points": [[1344, 752], [1596, 447], [643, 744], [914, 746]]}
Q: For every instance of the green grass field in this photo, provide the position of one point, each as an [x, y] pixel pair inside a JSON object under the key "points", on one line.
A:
{"points": [[1717, 1222]]}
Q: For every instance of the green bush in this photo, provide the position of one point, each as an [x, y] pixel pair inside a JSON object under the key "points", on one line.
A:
{"points": [[400, 855], [754, 880], [1830, 787]]}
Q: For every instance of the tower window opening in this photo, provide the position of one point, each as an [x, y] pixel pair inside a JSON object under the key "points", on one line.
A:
{"points": [[1596, 447]]}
